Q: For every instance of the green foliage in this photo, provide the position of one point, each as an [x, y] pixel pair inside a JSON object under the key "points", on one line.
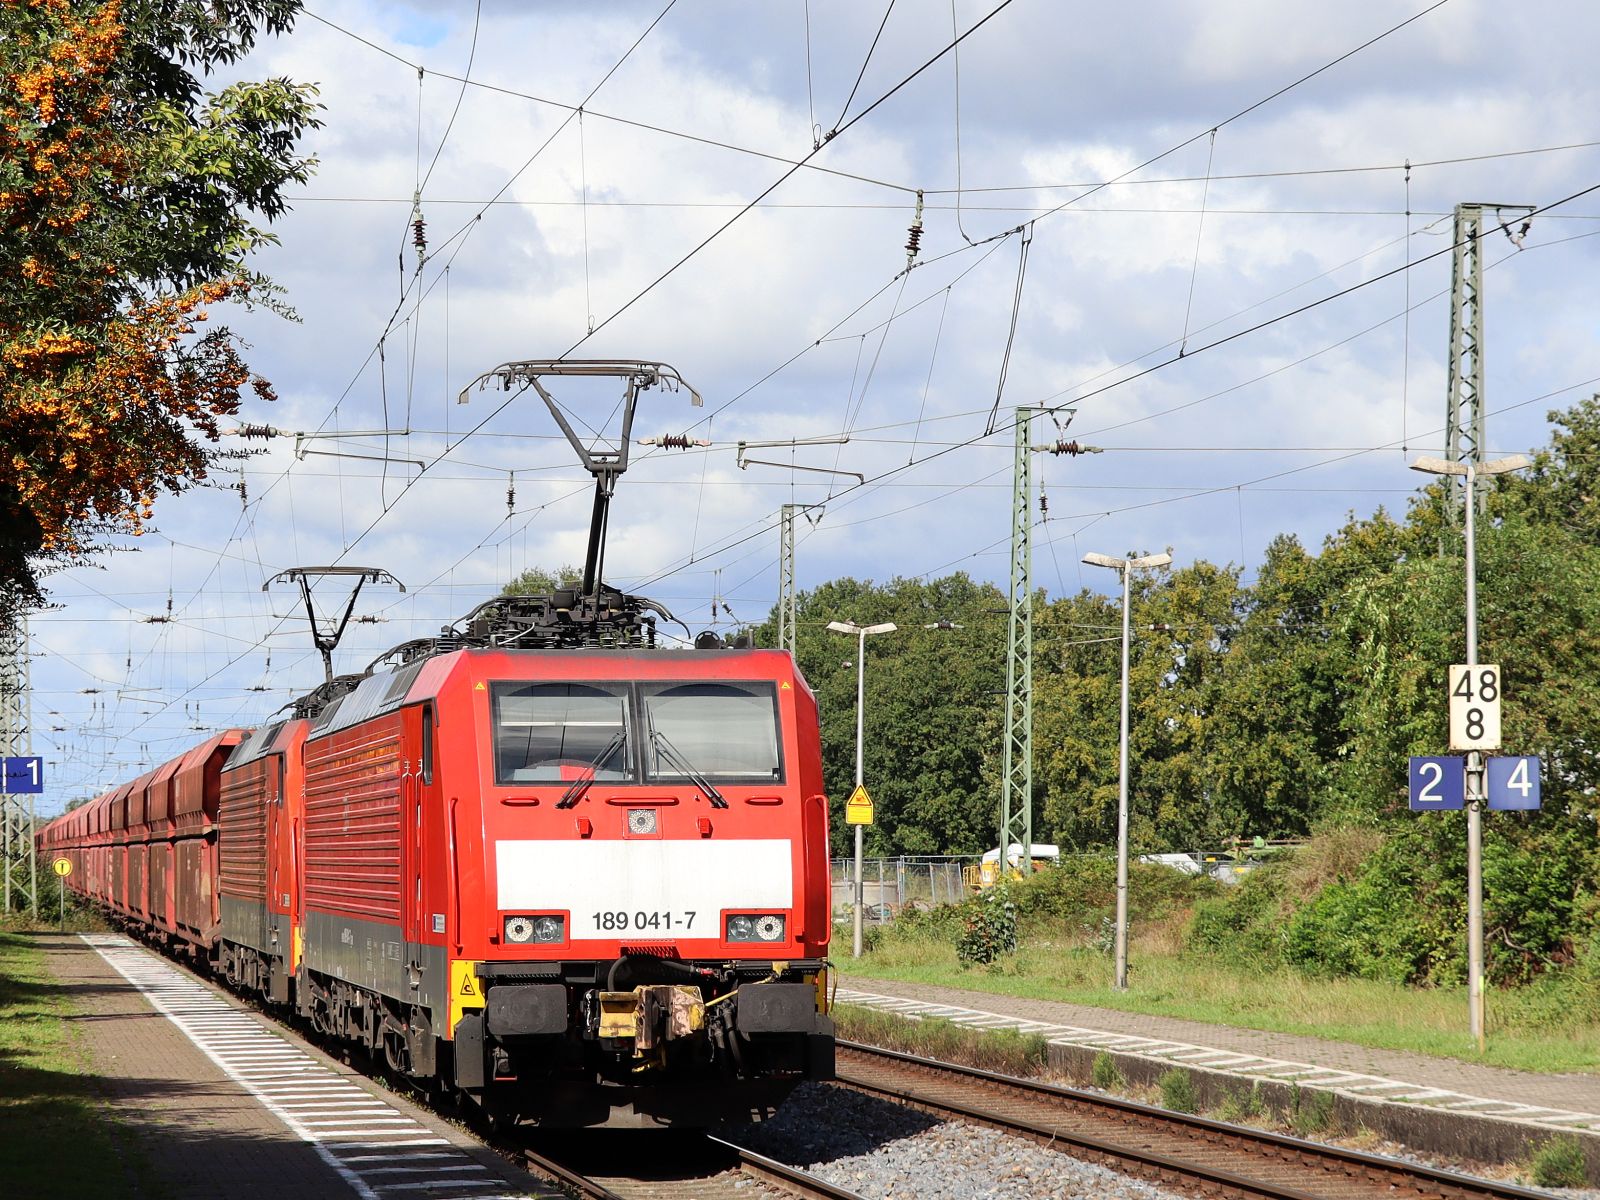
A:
{"points": [[1310, 1111], [1559, 1163], [1105, 1073], [1386, 924], [1284, 708], [932, 715], [1177, 1091], [989, 928], [1242, 925], [1003, 1050], [131, 198], [1242, 1106], [1082, 891], [536, 581]]}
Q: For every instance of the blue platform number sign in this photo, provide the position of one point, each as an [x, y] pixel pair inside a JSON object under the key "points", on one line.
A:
{"points": [[24, 774], [1513, 782], [1438, 783]]}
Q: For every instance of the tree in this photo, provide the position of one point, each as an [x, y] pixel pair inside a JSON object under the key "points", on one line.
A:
{"points": [[932, 729], [129, 198], [536, 581]]}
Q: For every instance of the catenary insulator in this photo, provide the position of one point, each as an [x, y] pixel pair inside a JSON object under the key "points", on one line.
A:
{"points": [[914, 234]]}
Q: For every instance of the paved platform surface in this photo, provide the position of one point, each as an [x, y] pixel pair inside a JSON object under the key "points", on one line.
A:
{"points": [[225, 1104], [1554, 1101]]}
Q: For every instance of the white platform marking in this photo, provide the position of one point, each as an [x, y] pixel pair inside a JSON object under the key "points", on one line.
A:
{"points": [[1366, 1087], [312, 1101]]}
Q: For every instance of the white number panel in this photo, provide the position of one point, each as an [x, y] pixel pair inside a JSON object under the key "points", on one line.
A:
{"points": [[1475, 707], [669, 889]]}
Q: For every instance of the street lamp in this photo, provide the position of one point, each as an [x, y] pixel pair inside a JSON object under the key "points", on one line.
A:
{"points": [[861, 633], [1126, 566], [1471, 470]]}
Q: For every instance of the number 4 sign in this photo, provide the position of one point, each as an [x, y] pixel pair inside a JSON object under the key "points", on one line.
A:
{"points": [[1513, 782]]}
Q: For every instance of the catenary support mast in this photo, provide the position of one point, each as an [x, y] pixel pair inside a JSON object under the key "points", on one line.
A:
{"points": [[1016, 792], [20, 885], [786, 592]]}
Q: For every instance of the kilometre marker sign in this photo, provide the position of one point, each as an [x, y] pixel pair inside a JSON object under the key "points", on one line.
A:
{"points": [[1475, 707]]}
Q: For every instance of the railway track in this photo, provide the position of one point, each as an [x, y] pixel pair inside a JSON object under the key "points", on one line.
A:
{"points": [[1164, 1147], [699, 1167]]}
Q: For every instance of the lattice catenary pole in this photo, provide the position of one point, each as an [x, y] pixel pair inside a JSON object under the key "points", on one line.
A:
{"points": [[786, 593], [20, 882], [1016, 792], [1464, 404]]}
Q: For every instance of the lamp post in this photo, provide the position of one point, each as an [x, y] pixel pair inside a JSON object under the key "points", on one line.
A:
{"points": [[1472, 470], [1125, 566], [861, 632]]}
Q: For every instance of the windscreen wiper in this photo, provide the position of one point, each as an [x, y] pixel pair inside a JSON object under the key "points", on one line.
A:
{"points": [[679, 763], [582, 784]]}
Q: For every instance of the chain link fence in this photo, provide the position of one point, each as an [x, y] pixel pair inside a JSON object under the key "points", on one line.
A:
{"points": [[889, 886]]}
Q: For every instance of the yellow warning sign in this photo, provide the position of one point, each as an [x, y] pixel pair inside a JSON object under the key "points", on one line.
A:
{"points": [[62, 867], [858, 809], [478, 687], [466, 993], [786, 686]]}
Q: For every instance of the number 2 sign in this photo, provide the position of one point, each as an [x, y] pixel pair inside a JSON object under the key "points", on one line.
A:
{"points": [[1438, 783], [1475, 707]]}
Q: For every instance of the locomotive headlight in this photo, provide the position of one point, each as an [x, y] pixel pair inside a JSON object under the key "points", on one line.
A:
{"points": [[549, 929], [769, 928], [756, 927], [519, 929]]}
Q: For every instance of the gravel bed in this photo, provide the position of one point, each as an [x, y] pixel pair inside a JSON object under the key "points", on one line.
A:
{"points": [[886, 1152]]}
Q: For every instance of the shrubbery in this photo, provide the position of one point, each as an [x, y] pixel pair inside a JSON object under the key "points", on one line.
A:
{"points": [[989, 928], [1397, 912]]}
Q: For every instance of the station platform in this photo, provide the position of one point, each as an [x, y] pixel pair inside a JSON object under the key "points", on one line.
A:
{"points": [[221, 1102], [1491, 1114]]}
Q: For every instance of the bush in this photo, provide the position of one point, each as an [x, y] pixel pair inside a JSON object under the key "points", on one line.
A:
{"points": [[1177, 1091], [1243, 926], [989, 928], [1007, 1051], [1310, 1111], [1242, 1106], [1360, 927], [1082, 892], [1558, 1163], [1105, 1074]]}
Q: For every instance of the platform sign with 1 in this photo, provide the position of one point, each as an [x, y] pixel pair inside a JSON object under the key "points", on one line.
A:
{"points": [[24, 774], [1513, 782], [1438, 783], [1475, 707]]}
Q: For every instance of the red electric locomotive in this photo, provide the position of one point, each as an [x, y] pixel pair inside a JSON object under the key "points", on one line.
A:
{"points": [[580, 879]]}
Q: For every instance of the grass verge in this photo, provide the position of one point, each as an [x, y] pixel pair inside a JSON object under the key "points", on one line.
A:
{"points": [[56, 1136], [1005, 1051], [1525, 1032]]}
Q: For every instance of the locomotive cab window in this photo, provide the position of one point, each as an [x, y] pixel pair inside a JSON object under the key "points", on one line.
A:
{"points": [[550, 732], [721, 730]]}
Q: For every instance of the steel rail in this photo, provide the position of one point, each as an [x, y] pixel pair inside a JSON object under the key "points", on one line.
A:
{"points": [[1155, 1142], [723, 1168], [772, 1171]]}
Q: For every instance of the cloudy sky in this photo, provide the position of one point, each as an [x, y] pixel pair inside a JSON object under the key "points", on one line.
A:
{"points": [[1106, 141]]}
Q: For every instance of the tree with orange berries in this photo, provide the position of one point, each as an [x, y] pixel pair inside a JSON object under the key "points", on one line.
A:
{"points": [[130, 199]]}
